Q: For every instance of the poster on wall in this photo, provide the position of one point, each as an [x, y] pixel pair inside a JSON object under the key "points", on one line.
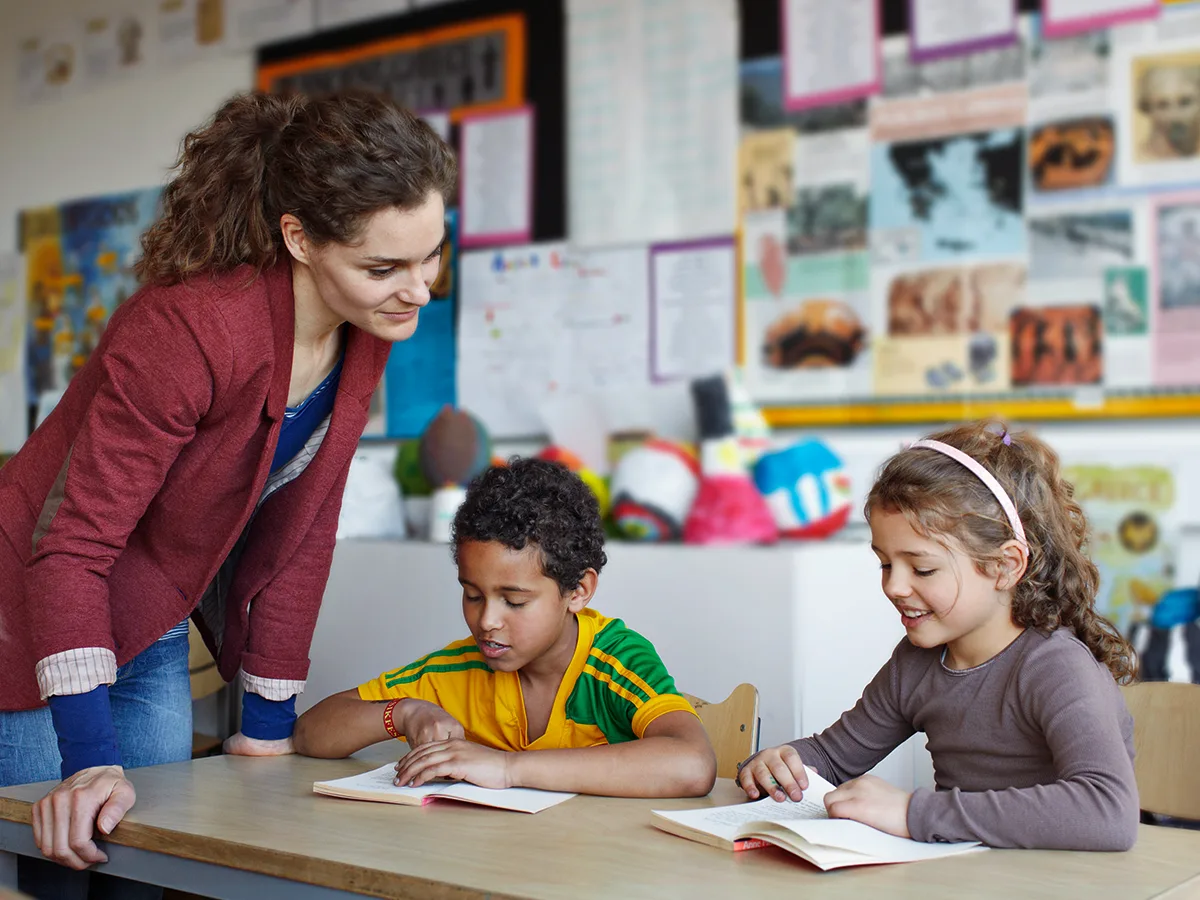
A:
{"points": [[1133, 516], [79, 268], [13, 412]]}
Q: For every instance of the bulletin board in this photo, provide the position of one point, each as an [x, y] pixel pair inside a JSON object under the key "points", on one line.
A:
{"points": [[997, 233], [467, 57]]}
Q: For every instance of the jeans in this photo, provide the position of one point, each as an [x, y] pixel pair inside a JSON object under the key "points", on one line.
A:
{"points": [[152, 712]]}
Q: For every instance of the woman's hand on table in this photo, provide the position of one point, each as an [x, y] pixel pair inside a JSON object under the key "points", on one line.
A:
{"points": [[63, 820]]}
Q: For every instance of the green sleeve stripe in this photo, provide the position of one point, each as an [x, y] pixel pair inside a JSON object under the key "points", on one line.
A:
{"points": [[470, 647], [433, 669], [600, 666]]}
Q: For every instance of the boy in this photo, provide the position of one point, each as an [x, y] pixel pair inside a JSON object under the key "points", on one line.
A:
{"points": [[540, 671]]}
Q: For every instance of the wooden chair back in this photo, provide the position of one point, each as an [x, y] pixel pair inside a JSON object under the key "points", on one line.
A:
{"points": [[1166, 738], [732, 726]]}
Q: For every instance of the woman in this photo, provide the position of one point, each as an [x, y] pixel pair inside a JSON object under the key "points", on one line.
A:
{"points": [[195, 465]]}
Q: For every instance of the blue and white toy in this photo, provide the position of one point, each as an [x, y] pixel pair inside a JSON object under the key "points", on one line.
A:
{"points": [[807, 489]]}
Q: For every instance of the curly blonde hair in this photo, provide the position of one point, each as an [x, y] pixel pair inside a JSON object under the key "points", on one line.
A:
{"points": [[939, 496]]}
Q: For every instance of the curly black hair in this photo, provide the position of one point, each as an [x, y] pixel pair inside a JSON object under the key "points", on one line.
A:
{"points": [[538, 502]]}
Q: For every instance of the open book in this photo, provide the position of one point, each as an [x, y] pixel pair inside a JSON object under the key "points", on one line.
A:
{"points": [[378, 785], [802, 828]]}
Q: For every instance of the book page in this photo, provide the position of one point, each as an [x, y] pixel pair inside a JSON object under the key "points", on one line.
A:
{"points": [[517, 799], [379, 784], [730, 822], [845, 834]]}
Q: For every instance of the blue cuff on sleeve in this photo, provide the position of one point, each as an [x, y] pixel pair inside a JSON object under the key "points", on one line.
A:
{"points": [[84, 725], [267, 720]]}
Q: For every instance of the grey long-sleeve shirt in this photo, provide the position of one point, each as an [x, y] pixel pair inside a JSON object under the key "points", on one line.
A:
{"points": [[1034, 748]]}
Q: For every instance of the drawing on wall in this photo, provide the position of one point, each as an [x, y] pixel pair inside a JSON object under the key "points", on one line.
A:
{"points": [[1067, 65], [827, 217], [1057, 345], [815, 333], [1072, 153]]}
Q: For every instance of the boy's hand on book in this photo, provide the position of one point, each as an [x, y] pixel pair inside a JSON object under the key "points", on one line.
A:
{"points": [[873, 802], [777, 772], [456, 760], [423, 723]]}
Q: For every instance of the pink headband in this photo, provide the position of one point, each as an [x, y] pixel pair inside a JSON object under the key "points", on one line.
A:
{"points": [[983, 475]]}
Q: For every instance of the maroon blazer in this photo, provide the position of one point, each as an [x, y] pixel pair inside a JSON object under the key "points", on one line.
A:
{"points": [[120, 508]]}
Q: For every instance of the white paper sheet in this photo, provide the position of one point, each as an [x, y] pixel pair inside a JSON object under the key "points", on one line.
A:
{"points": [[256, 22], [48, 64], [118, 43], [13, 412], [334, 13], [651, 119], [496, 178], [960, 25], [188, 30], [692, 308], [831, 51], [539, 322], [382, 780]]}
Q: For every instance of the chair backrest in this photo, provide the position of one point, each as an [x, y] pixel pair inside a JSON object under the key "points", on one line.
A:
{"points": [[1166, 738], [732, 726]]}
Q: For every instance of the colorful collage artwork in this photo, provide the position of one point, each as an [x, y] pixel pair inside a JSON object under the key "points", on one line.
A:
{"points": [[1017, 221]]}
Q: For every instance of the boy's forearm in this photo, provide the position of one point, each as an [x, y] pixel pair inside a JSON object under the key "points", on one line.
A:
{"points": [[652, 767], [339, 726]]}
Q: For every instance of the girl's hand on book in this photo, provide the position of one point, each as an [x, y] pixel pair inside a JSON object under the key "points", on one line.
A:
{"points": [[455, 760], [777, 772], [423, 723], [873, 802]]}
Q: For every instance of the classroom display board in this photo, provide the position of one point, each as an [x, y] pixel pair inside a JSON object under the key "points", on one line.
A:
{"points": [[1007, 225]]}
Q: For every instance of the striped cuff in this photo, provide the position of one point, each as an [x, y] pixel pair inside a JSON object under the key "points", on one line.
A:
{"points": [[76, 671], [271, 688]]}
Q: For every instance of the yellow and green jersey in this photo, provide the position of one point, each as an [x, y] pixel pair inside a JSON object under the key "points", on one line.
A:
{"points": [[613, 689]]}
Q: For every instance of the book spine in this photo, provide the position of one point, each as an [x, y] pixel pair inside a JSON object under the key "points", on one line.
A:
{"points": [[750, 844]]}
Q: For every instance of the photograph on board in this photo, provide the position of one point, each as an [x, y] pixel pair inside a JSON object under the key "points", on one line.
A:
{"points": [[1178, 249], [1071, 154], [1081, 243], [1070, 64], [761, 103], [827, 217], [954, 299], [1057, 345]]}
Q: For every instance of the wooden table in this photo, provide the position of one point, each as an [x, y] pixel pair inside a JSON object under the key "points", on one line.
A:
{"points": [[251, 829]]}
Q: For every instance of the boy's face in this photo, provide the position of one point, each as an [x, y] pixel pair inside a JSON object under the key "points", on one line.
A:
{"points": [[516, 614]]}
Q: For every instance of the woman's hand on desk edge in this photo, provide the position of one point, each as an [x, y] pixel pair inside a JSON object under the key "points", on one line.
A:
{"points": [[240, 745], [63, 820]]}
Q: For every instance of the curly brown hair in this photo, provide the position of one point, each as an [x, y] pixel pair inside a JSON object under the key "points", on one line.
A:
{"points": [[939, 496], [331, 161], [539, 503]]}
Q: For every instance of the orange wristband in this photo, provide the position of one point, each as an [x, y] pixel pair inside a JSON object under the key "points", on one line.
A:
{"points": [[387, 720]]}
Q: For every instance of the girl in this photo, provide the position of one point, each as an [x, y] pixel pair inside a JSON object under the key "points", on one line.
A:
{"points": [[195, 464], [1007, 667]]}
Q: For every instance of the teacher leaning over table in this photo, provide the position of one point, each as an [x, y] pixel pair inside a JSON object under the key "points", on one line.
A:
{"points": [[196, 463]]}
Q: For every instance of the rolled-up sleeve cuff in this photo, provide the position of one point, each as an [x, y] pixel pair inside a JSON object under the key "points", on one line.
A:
{"points": [[271, 688], [75, 671]]}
